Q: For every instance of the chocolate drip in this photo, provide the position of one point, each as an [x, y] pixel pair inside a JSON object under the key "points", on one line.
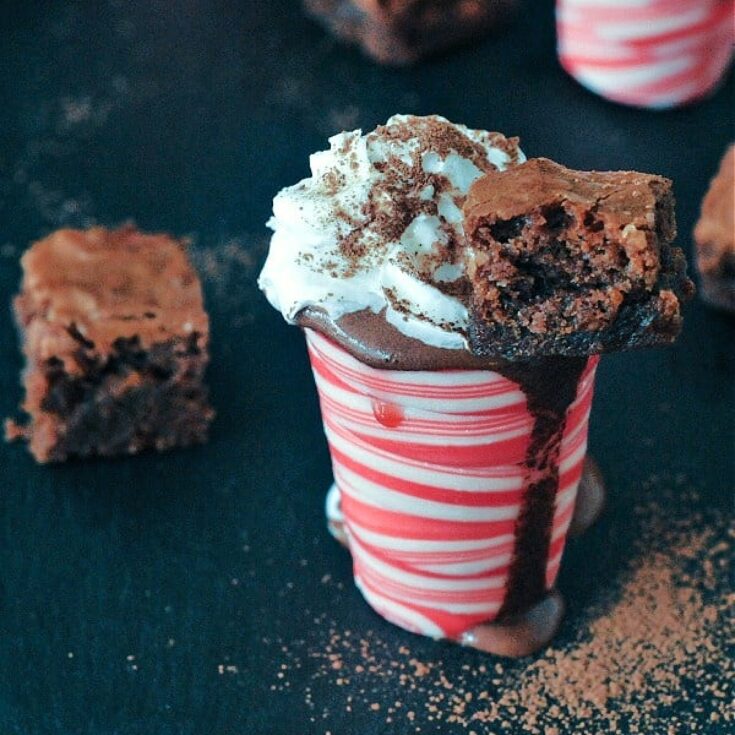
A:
{"points": [[550, 386]]}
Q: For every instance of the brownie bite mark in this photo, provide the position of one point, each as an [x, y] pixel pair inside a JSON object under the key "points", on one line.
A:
{"points": [[714, 237], [115, 337], [572, 263], [378, 227]]}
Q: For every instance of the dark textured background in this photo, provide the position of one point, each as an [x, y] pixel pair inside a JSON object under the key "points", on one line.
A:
{"points": [[188, 116]]}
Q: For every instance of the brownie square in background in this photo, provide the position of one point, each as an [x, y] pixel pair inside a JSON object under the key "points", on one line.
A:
{"points": [[714, 237], [397, 32], [115, 336]]}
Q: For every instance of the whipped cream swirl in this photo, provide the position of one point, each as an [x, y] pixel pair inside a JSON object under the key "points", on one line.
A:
{"points": [[378, 226]]}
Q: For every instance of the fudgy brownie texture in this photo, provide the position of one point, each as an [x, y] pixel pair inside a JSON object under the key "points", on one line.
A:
{"points": [[714, 236], [115, 336], [572, 263], [404, 31]]}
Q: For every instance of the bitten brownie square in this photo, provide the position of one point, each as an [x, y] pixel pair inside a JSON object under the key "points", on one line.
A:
{"points": [[404, 31], [115, 337], [714, 237], [572, 263]]}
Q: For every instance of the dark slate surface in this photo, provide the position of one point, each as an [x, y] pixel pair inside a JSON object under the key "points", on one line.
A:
{"points": [[188, 116]]}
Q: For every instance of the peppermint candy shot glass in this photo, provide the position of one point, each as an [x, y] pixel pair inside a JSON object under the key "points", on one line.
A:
{"points": [[647, 53], [453, 497], [455, 299]]}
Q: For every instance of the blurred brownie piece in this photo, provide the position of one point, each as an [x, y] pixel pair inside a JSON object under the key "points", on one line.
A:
{"points": [[567, 262], [714, 237], [403, 31], [115, 337]]}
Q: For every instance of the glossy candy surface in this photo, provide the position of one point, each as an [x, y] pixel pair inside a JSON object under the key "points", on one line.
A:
{"points": [[431, 471]]}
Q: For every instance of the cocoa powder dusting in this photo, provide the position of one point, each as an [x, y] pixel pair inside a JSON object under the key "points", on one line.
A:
{"points": [[395, 201], [434, 136], [650, 655]]}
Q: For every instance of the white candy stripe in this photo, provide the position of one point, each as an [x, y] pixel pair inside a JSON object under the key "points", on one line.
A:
{"points": [[443, 558], [431, 585], [427, 548], [460, 603], [492, 479], [363, 407], [646, 52], [580, 449], [591, 48], [485, 609], [572, 433], [632, 30], [455, 438], [401, 615], [363, 412], [614, 79], [360, 415], [566, 497], [626, 4], [431, 490], [370, 493], [467, 567]]}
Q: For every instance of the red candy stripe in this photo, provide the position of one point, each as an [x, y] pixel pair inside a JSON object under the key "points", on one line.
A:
{"points": [[429, 472], [646, 53]]}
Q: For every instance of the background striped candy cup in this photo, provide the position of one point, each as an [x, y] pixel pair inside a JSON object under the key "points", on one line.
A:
{"points": [[429, 471], [646, 53]]}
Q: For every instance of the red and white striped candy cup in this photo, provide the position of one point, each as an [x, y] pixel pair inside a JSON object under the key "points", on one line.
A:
{"points": [[646, 53], [429, 482]]}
